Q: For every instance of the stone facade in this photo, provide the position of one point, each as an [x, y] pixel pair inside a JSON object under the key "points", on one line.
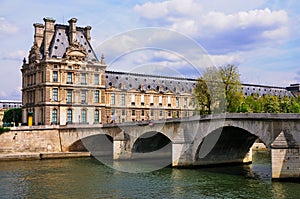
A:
{"points": [[62, 76], [64, 82]]}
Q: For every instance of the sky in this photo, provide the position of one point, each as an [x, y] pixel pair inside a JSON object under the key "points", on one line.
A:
{"points": [[174, 37]]}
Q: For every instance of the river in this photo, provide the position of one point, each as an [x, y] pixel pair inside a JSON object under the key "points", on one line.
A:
{"points": [[88, 178]]}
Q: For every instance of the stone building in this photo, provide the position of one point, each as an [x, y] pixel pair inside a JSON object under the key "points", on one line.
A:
{"points": [[65, 83], [8, 104], [137, 97], [63, 80]]}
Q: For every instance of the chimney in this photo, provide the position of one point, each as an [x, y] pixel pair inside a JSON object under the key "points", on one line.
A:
{"points": [[38, 34], [72, 30], [87, 33], [48, 34]]}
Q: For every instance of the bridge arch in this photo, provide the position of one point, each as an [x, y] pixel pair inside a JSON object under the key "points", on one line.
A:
{"points": [[227, 144], [97, 144], [150, 141]]}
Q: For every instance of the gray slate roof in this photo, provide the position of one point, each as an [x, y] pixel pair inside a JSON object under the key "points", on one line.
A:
{"points": [[60, 42], [127, 81]]}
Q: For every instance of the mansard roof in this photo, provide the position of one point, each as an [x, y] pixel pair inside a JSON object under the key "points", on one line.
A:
{"points": [[128, 81], [60, 42]]}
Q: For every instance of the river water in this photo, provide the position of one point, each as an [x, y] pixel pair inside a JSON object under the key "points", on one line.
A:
{"points": [[88, 178]]}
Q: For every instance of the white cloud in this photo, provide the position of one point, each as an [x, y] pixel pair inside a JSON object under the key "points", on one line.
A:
{"points": [[157, 10], [241, 29], [266, 19], [18, 55], [223, 60], [6, 27]]}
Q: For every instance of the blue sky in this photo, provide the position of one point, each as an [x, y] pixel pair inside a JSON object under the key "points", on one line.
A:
{"points": [[171, 37]]}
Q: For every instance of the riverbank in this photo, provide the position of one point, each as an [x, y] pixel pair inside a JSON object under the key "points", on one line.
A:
{"points": [[42, 155]]}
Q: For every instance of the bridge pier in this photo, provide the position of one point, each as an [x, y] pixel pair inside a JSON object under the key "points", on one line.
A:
{"points": [[120, 146], [285, 154]]}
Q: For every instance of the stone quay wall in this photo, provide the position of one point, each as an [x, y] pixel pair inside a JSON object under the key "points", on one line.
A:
{"points": [[30, 140]]}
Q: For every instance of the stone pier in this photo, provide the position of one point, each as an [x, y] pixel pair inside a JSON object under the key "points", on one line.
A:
{"points": [[285, 152]]}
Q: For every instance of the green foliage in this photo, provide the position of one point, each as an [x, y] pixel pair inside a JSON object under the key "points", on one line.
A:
{"points": [[202, 95], [219, 90], [13, 115], [270, 104], [2, 130]]}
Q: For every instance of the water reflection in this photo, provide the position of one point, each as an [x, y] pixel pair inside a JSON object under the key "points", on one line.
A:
{"points": [[88, 178]]}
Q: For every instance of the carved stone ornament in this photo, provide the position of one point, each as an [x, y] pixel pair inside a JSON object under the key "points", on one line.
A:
{"points": [[76, 52], [34, 53], [76, 66]]}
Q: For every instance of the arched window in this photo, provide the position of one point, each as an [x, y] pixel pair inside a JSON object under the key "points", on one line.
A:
{"points": [[54, 116]]}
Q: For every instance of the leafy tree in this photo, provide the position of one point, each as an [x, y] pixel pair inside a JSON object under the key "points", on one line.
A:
{"points": [[271, 104], [295, 105], [201, 93], [232, 83], [218, 90], [13, 115], [254, 103], [285, 105]]}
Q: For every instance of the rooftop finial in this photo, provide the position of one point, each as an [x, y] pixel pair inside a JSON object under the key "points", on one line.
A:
{"points": [[102, 59]]}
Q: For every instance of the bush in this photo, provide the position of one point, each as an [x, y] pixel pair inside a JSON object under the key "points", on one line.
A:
{"points": [[3, 130]]}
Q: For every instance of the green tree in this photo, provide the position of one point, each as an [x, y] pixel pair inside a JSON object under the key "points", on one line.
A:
{"points": [[295, 105], [232, 84], [285, 105], [271, 104], [13, 115], [209, 92], [219, 90], [201, 93]]}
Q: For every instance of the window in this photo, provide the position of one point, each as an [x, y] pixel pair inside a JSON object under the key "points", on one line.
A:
{"points": [[169, 101], [69, 116], [160, 113], [54, 116], [113, 98], [142, 100], [160, 100], [96, 96], [185, 102], [55, 94], [69, 96], [69, 78], [83, 79], [177, 102], [152, 112], [96, 79], [123, 99], [113, 111], [143, 113], [55, 76], [133, 112], [83, 96], [83, 116], [123, 112], [169, 113], [151, 100], [132, 99], [96, 116]]}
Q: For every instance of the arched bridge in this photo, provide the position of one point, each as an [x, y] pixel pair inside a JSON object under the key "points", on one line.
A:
{"points": [[199, 140]]}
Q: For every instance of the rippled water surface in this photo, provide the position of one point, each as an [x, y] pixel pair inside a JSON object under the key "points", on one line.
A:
{"points": [[88, 178]]}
